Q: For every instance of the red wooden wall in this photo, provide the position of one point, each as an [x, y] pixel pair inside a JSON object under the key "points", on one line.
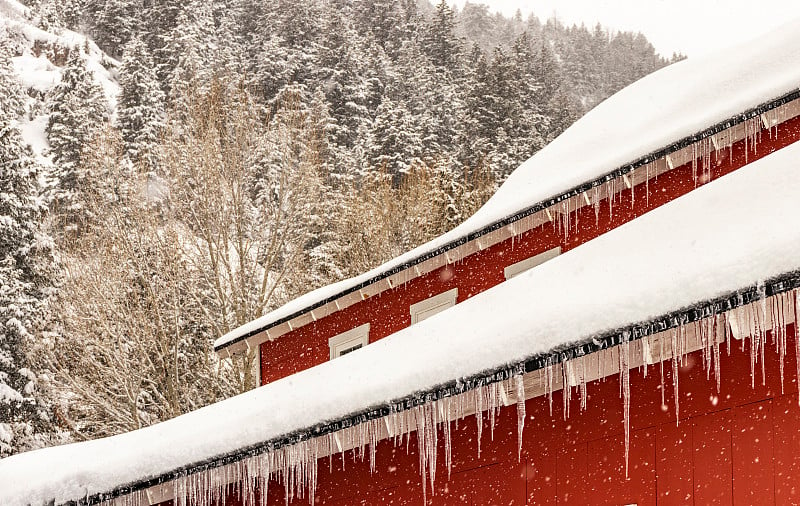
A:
{"points": [[388, 312], [738, 446]]}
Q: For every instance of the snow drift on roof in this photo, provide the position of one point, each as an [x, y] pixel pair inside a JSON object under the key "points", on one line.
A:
{"points": [[724, 236], [653, 113]]}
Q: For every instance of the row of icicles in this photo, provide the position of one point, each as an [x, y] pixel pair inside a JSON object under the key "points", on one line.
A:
{"points": [[704, 153], [564, 215], [296, 465]]}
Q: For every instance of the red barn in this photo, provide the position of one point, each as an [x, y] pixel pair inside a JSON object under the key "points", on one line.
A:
{"points": [[648, 358]]}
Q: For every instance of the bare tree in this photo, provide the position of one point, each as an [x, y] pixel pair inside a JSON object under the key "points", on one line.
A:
{"points": [[246, 184], [133, 346]]}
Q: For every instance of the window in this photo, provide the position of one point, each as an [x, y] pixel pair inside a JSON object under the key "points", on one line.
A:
{"points": [[529, 263], [351, 340], [436, 304]]}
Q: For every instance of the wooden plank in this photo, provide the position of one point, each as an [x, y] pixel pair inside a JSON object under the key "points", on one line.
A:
{"points": [[753, 468], [674, 473], [571, 474], [606, 470], [786, 443], [713, 467]]}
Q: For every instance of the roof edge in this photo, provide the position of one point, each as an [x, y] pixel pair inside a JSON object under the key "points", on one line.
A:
{"points": [[622, 170], [696, 312]]}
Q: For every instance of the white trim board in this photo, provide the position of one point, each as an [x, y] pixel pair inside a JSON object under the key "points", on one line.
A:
{"points": [[426, 308], [529, 263]]}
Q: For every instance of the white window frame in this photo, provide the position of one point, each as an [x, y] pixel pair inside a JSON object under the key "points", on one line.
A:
{"points": [[529, 263], [433, 305], [346, 341]]}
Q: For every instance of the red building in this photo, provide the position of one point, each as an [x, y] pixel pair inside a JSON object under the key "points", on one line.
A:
{"points": [[645, 352]]}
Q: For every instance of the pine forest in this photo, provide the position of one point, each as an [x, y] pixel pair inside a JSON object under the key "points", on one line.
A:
{"points": [[172, 169]]}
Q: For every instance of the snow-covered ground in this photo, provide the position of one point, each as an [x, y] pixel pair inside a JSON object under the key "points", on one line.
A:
{"points": [[727, 235], [653, 113], [35, 52]]}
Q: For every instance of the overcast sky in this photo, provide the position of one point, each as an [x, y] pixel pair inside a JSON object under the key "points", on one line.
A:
{"points": [[688, 26]]}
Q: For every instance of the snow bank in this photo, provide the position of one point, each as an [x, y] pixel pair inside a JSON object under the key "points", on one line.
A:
{"points": [[36, 72], [724, 236], [13, 9], [40, 74], [648, 115], [34, 133]]}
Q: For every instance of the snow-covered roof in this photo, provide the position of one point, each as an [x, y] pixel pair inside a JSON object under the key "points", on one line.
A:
{"points": [[655, 112], [725, 236]]}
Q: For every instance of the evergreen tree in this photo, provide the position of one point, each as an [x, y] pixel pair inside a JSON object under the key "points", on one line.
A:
{"points": [[480, 121], [116, 23], [50, 18], [343, 72], [24, 252], [77, 109], [395, 140], [192, 47], [441, 44], [478, 25], [54, 15], [389, 22], [140, 111]]}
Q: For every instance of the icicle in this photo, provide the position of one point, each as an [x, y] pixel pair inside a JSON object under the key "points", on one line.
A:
{"points": [[682, 344], [625, 386], [702, 330], [779, 332], [796, 343], [746, 139], [373, 444], [647, 354], [520, 394], [675, 358], [479, 416], [596, 204], [431, 420], [492, 398], [582, 385], [719, 327], [754, 342], [762, 326], [448, 448], [548, 375], [566, 389], [611, 193]]}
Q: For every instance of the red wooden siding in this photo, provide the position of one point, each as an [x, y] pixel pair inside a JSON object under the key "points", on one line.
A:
{"points": [[388, 312], [740, 446]]}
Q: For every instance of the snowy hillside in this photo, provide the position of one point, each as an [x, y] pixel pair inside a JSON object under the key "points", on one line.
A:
{"points": [[39, 56]]}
